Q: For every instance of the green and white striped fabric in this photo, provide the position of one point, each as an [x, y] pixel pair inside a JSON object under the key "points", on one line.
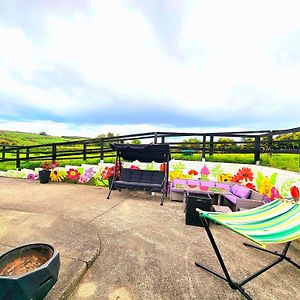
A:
{"points": [[275, 222]]}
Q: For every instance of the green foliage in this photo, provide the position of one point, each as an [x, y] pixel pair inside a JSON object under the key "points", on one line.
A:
{"points": [[285, 187], [136, 142], [273, 178], [259, 178], [179, 166], [226, 144], [150, 166], [216, 170], [192, 143]]}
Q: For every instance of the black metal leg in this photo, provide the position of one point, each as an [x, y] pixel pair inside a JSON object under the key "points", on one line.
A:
{"points": [[218, 254], [281, 254], [239, 285]]}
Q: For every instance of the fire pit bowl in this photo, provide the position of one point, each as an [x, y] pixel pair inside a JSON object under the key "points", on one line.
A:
{"points": [[28, 272]]}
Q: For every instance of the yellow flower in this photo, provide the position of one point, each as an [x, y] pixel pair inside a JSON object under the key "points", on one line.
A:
{"points": [[265, 186], [225, 177], [57, 176]]}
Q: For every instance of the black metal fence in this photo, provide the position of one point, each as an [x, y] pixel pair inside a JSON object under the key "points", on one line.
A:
{"points": [[255, 142]]}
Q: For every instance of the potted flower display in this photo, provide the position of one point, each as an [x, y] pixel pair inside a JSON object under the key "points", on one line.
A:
{"points": [[47, 166]]}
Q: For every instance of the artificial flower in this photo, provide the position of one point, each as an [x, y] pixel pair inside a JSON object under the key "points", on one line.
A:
{"points": [[245, 174], [225, 177], [295, 192], [57, 176], [265, 186], [109, 172], [32, 176], [73, 174], [192, 172], [204, 170], [250, 186], [50, 165], [162, 167], [275, 194], [87, 175], [133, 167]]}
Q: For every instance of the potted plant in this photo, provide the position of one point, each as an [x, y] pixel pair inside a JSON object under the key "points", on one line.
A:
{"points": [[47, 166]]}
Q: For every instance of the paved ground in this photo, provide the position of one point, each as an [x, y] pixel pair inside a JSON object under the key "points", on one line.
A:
{"points": [[129, 247]]}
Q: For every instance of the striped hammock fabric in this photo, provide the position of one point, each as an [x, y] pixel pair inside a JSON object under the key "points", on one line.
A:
{"points": [[275, 222]]}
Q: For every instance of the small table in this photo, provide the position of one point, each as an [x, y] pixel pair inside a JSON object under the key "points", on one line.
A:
{"points": [[193, 201], [215, 192]]}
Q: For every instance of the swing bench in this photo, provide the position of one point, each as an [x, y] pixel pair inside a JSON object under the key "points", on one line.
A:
{"points": [[149, 180], [275, 222]]}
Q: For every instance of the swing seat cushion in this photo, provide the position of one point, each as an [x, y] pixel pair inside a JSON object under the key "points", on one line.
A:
{"points": [[140, 179]]}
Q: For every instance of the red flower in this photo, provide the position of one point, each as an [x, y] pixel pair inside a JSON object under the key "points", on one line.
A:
{"points": [[295, 192], [109, 172], [193, 172], [250, 186], [73, 174], [237, 178], [245, 173]]}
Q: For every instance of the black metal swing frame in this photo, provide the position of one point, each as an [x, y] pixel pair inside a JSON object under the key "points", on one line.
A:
{"points": [[238, 285], [143, 153]]}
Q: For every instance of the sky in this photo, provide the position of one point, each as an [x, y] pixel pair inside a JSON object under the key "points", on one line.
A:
{"points": [[87, 67]]}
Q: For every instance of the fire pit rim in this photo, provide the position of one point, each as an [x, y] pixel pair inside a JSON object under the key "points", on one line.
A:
{"points": [[44, 265]]}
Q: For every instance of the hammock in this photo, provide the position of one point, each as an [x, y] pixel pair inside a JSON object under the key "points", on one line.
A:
{"points": [[275, 222]]}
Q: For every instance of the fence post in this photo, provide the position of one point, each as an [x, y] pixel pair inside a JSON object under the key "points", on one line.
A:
{"points": [[101, 149], [270, 142], [84, 151], [53, 152], [155, 138], [211, 145], [162, 139], [3, 152], [257, 149], [18, 163], [27, 153], [204, 147]]}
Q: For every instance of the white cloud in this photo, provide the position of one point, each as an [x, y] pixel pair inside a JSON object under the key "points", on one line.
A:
{"points": [[228, 63]]}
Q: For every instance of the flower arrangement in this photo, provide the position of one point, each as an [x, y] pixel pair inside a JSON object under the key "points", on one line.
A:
{"points": [[49, 165], [109, 172]]}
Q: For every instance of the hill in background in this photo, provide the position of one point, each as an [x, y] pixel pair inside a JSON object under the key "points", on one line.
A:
{"points": [[16, 138]]}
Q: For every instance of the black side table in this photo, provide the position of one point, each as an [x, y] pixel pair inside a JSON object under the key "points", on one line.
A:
{"points": [[193, 201]]}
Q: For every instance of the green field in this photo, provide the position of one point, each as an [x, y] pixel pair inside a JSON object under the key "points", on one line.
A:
{"points": [[288, 162], [15, 138]]}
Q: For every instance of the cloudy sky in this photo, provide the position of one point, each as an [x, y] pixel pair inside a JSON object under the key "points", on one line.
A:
{"points": [[85, 67]]}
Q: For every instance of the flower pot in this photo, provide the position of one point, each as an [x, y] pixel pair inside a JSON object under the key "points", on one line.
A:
{"points": [[28, 272], [44, 176]]}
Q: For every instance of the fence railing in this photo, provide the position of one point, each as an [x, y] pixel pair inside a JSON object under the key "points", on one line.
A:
{"points": [[255, 142]]}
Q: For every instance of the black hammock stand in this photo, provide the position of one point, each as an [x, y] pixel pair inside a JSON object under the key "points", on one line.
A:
{"points": [[154, 181]]}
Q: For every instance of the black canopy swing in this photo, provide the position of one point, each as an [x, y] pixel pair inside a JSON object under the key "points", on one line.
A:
{"points": [[154, 181]]}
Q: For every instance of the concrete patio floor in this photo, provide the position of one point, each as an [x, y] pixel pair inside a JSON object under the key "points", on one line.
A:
{"points": [[129, 247]]}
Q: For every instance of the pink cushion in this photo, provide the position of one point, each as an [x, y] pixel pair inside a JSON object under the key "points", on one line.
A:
{"points": [[223, 186], [178, 181], [193, 182], [240, 191], [208, 183]]}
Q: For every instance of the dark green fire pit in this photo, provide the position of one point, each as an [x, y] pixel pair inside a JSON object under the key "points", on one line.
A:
{"points": [[28, 272]]}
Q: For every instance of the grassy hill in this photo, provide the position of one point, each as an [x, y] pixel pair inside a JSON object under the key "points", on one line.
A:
{"points": [[16, 138]]}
